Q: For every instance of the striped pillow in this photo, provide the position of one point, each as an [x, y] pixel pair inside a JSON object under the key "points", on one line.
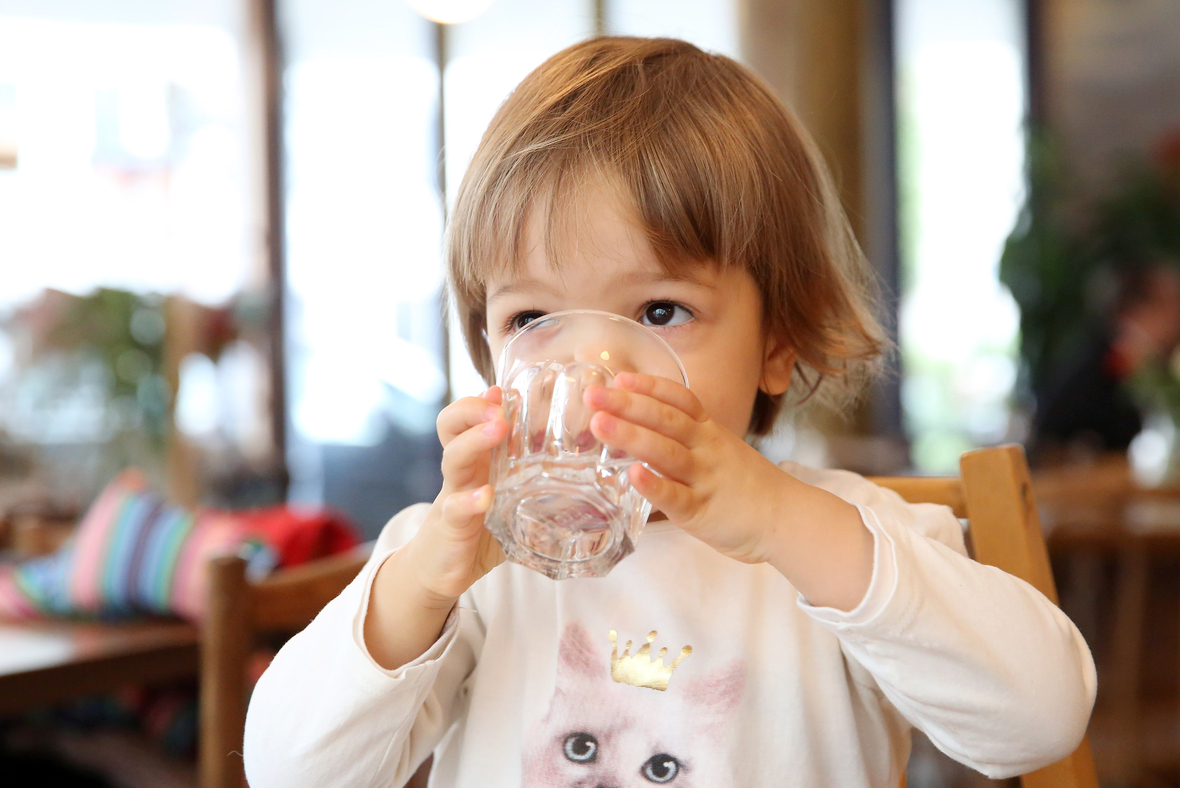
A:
{"points": [[132, 553]]}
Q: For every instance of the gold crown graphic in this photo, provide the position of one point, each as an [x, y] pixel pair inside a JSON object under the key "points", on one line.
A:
{"points": [[640, 670]]}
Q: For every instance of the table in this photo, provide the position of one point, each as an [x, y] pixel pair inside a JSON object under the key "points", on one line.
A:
{"points": [[1098, 514], [46, 662]]}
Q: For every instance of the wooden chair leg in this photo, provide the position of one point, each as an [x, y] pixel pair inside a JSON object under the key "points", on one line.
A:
{"points": [[225, 649], [1127, 658], [422, 776]]}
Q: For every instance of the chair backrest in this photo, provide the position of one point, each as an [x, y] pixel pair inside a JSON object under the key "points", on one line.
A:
{"points": [[994, 494], [239, 611]]}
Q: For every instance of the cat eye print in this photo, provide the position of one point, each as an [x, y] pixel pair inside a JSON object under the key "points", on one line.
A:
{"points": [[581, 748], [661, 768]]}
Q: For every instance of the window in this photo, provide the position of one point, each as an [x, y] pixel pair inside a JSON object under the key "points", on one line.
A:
{"points": [[127, 162], [961, 89]]}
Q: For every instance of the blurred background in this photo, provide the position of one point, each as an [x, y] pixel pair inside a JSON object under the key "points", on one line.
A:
{"points": [[220, 264]]}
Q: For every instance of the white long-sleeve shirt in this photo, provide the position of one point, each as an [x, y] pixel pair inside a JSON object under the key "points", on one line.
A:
{"points": [[519, 689]]}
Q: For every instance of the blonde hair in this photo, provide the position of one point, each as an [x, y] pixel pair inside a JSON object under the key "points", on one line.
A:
{"points": [[720, 173]]}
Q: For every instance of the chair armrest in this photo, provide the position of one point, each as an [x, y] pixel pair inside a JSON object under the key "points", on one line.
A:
{"points": [[290, 598]]}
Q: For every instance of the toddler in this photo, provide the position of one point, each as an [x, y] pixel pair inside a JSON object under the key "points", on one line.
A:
{"points": [[810, 619]]}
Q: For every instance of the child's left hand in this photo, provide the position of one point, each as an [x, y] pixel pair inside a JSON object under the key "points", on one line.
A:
{"points": [[718, 488], [714, 485]]}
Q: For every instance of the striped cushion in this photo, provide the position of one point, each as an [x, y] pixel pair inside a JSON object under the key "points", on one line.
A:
{"points": [[132, 553]]}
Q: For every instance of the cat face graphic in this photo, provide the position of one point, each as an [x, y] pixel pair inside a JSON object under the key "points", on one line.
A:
{"points": [[600, 734]]}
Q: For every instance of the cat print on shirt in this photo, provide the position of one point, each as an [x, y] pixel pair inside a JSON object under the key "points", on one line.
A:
{"points": [[601, 733]]}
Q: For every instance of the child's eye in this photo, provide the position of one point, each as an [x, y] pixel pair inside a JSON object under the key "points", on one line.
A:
{"points": [[664, 313], [520, 320]]}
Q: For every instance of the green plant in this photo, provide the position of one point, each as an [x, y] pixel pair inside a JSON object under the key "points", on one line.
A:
{"points": [[90, 369], [1060, 254], [1045, 267]]}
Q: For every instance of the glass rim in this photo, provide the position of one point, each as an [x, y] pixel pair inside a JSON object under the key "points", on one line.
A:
{"points": [[660, 341]]}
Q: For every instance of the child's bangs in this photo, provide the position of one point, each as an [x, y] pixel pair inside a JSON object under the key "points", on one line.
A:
{"points": [[551, 190]]}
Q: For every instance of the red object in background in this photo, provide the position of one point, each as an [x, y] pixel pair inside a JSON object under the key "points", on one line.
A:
{"points": [[1167, 152], [300, 535], [1118, 365]]}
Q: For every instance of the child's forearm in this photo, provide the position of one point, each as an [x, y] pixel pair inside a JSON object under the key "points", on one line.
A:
{"points": [[980, 661], [324, 715], [416, 588], [403, 619], [820, 544]]}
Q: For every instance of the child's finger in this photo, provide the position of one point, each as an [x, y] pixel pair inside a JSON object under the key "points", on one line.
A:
{"points": [[664, 454], [469, 452], [664, 390], [463, 414], [463, 511], [671, 497], [644, 411]]}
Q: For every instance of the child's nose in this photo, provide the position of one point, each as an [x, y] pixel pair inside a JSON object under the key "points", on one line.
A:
{"points": [[615, 358], [607, 345]]}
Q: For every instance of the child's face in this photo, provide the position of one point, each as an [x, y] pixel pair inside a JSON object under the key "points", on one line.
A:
{"points": [[712, 320]]}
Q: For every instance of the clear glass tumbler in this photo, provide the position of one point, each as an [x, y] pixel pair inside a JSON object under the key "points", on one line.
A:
{"points": [[564, 504]]}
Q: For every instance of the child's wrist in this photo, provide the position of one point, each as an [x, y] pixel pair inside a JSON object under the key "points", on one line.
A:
{"points": [[820, 543], [400, 624], [416, 585], [782, 512]]}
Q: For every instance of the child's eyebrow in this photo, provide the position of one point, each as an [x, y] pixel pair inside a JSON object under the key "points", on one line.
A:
{"points": [[637, 278], [651, 278], [520, 286]]}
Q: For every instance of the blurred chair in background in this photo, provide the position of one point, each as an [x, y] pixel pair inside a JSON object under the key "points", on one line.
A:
{"points": [[240, 612]]}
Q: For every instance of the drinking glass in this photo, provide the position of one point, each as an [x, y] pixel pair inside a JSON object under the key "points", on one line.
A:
{"points": [[564, 504]]}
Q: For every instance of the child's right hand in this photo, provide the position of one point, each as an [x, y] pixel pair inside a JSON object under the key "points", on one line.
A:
{"points": [[452, 549], [417, 586]]}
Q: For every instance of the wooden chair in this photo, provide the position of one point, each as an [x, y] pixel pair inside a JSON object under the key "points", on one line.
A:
{"points": [[995, 495], [240, 611]]}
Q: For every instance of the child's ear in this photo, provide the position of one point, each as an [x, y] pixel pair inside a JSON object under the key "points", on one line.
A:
{"points": [[778, 363]]}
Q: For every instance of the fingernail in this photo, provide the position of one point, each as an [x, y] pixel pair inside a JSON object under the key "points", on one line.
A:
{"points": [[482, 498], [597, 395], [605, 422], [491, 427], [625, 379]]}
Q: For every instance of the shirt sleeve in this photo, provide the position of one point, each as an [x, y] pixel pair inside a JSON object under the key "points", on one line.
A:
{"points": [[325, 713], [980, 661]]}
